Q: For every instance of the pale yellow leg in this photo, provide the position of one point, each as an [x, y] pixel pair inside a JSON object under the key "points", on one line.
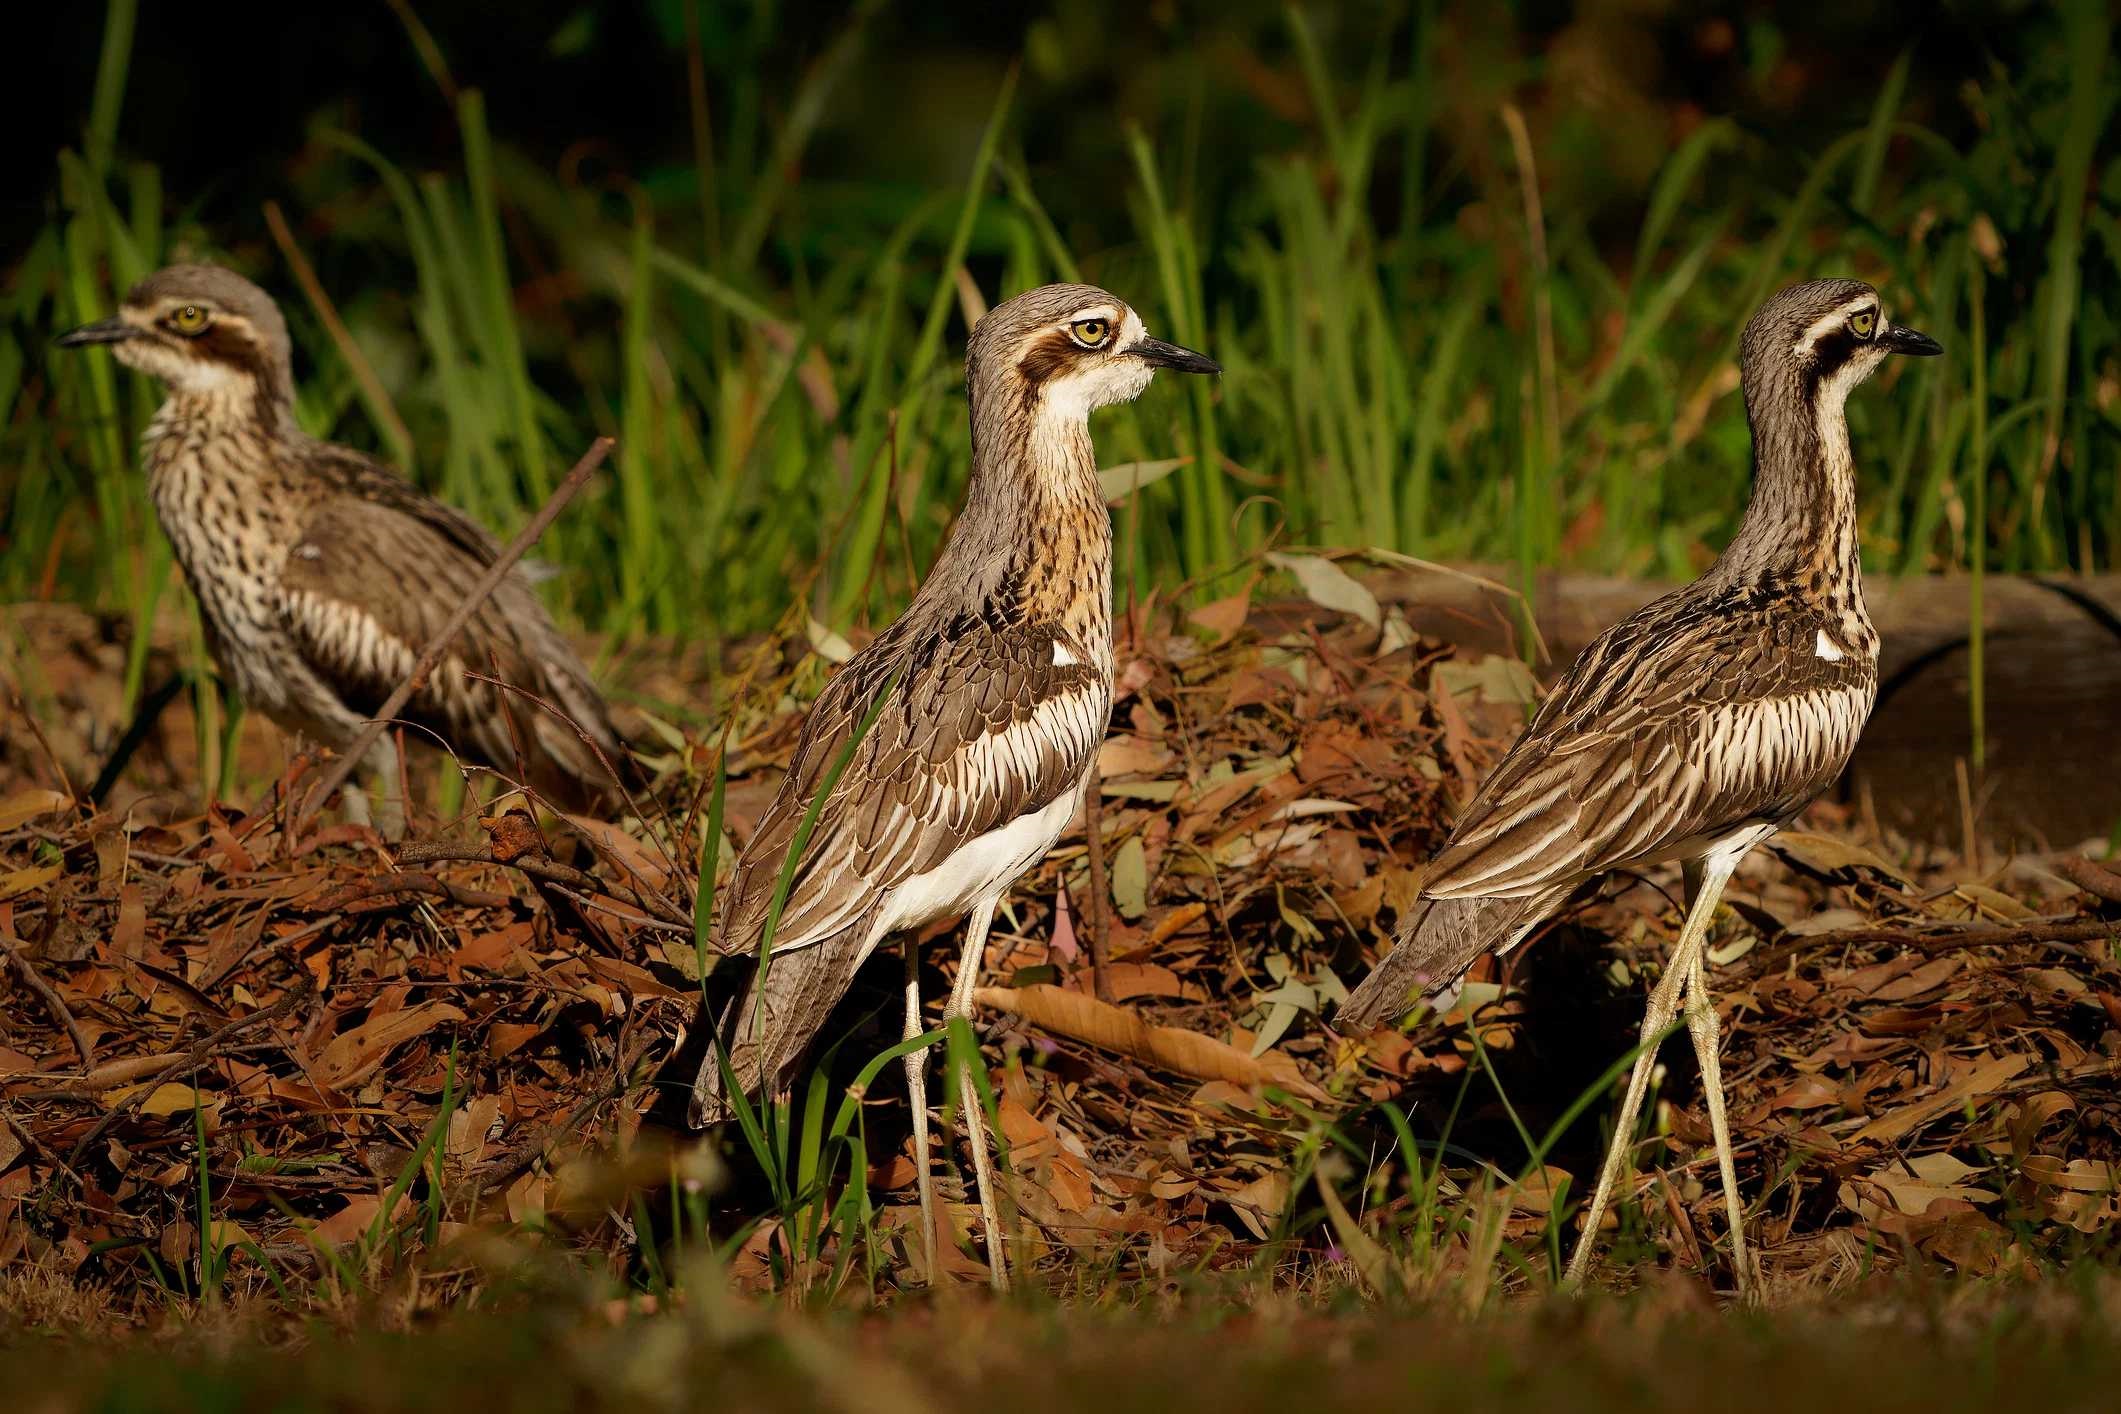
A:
{"points": [[1702, 1024], [917, 1098], [390, 793], [1657, 1017], [975, 1123]]}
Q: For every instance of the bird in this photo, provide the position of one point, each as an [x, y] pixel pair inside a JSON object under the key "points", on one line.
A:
{"points": [[948, 755], [321, 573], [1692, 729]]}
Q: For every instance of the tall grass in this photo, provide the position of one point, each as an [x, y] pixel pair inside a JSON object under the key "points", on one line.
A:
{"points": [[1407, 366]]}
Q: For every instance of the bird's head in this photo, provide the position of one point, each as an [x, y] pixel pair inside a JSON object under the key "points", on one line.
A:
{"points": [[1825, 336], [201, 330], [1059, 352]]}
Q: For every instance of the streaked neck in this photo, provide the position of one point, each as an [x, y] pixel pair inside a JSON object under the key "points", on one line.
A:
{"points": [[1799, 528], [1802, 515], [1034, 542]]}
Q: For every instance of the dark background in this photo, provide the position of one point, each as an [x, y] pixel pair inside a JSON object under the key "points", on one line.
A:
{"points": [[220, 96]]}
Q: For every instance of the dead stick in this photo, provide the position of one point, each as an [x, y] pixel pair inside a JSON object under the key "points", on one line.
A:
{"points": [[382, 890], [1100, 939], [190, 1061], [1943, 939], [2080, 931], [432, 654], [2091, 876], [503, 1167], [549, 871], [22, 712], [53, 1002]]}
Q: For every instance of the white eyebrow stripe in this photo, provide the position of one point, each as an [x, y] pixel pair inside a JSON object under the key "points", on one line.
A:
{"points": [[1826, 323]]}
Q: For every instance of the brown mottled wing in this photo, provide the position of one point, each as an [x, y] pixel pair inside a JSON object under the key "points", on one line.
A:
{"points": [[377, 572], [981, 727], [1695, 717]]}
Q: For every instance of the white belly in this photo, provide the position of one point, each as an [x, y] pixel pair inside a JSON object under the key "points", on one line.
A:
{"points": [[979, 870]]}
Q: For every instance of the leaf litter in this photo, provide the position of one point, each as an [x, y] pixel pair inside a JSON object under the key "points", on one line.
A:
{"points": [[1921, 1062]]}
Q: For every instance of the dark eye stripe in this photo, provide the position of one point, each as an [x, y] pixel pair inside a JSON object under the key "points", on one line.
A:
{"points": [[1046, 357]]}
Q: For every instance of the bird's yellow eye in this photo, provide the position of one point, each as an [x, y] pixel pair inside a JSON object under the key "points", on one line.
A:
{"points": [[1091, 333], [189, 319], [1862, 324]]}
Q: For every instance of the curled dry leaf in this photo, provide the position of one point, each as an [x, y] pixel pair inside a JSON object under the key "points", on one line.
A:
{"points": [[1330, 586], [1084, 1018], [354, 1055]]}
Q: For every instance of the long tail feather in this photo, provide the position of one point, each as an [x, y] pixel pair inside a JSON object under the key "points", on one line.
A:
{"points": [[1432, 955], [765, 1043]]}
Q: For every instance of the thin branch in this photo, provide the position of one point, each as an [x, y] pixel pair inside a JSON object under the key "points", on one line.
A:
{"points": [[37, 729], [53, 1002], [2091, 876], [1098, 916], [2053, 935], [381, 890], [190, 1061], [549, 871], [503, 563]]}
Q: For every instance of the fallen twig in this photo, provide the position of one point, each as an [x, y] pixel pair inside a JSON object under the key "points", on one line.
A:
{"points": [[503, 1167], [549, 871], [480, 592], [2091, 876], [53, 1002], [1948, 938], [1100, 934], [378, 891], [190, 1061]]}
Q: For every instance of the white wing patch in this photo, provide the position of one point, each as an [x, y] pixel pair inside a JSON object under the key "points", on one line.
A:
{"points": [[979, 869], [999, 765], [1828, 649], [1751, 745], [1063, 657], [340, 644]]}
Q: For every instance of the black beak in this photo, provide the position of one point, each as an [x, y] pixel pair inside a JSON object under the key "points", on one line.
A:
{"points": [[109, 331], [1158, 354], [1909, 341]]}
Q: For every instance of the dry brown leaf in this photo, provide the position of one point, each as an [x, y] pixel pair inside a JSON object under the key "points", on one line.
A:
{"points": [[1926, 978], [1809, 1092], [1260, 1203], [1223, 617], [1990, 1075], [1824, 854], [1924, 1180], [167, 1098], [1131, 756], [26, 805], [1084, 1018], [354, 1055], [1130, 980], [22, 881], [2079, 1175], [650, 870]]}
